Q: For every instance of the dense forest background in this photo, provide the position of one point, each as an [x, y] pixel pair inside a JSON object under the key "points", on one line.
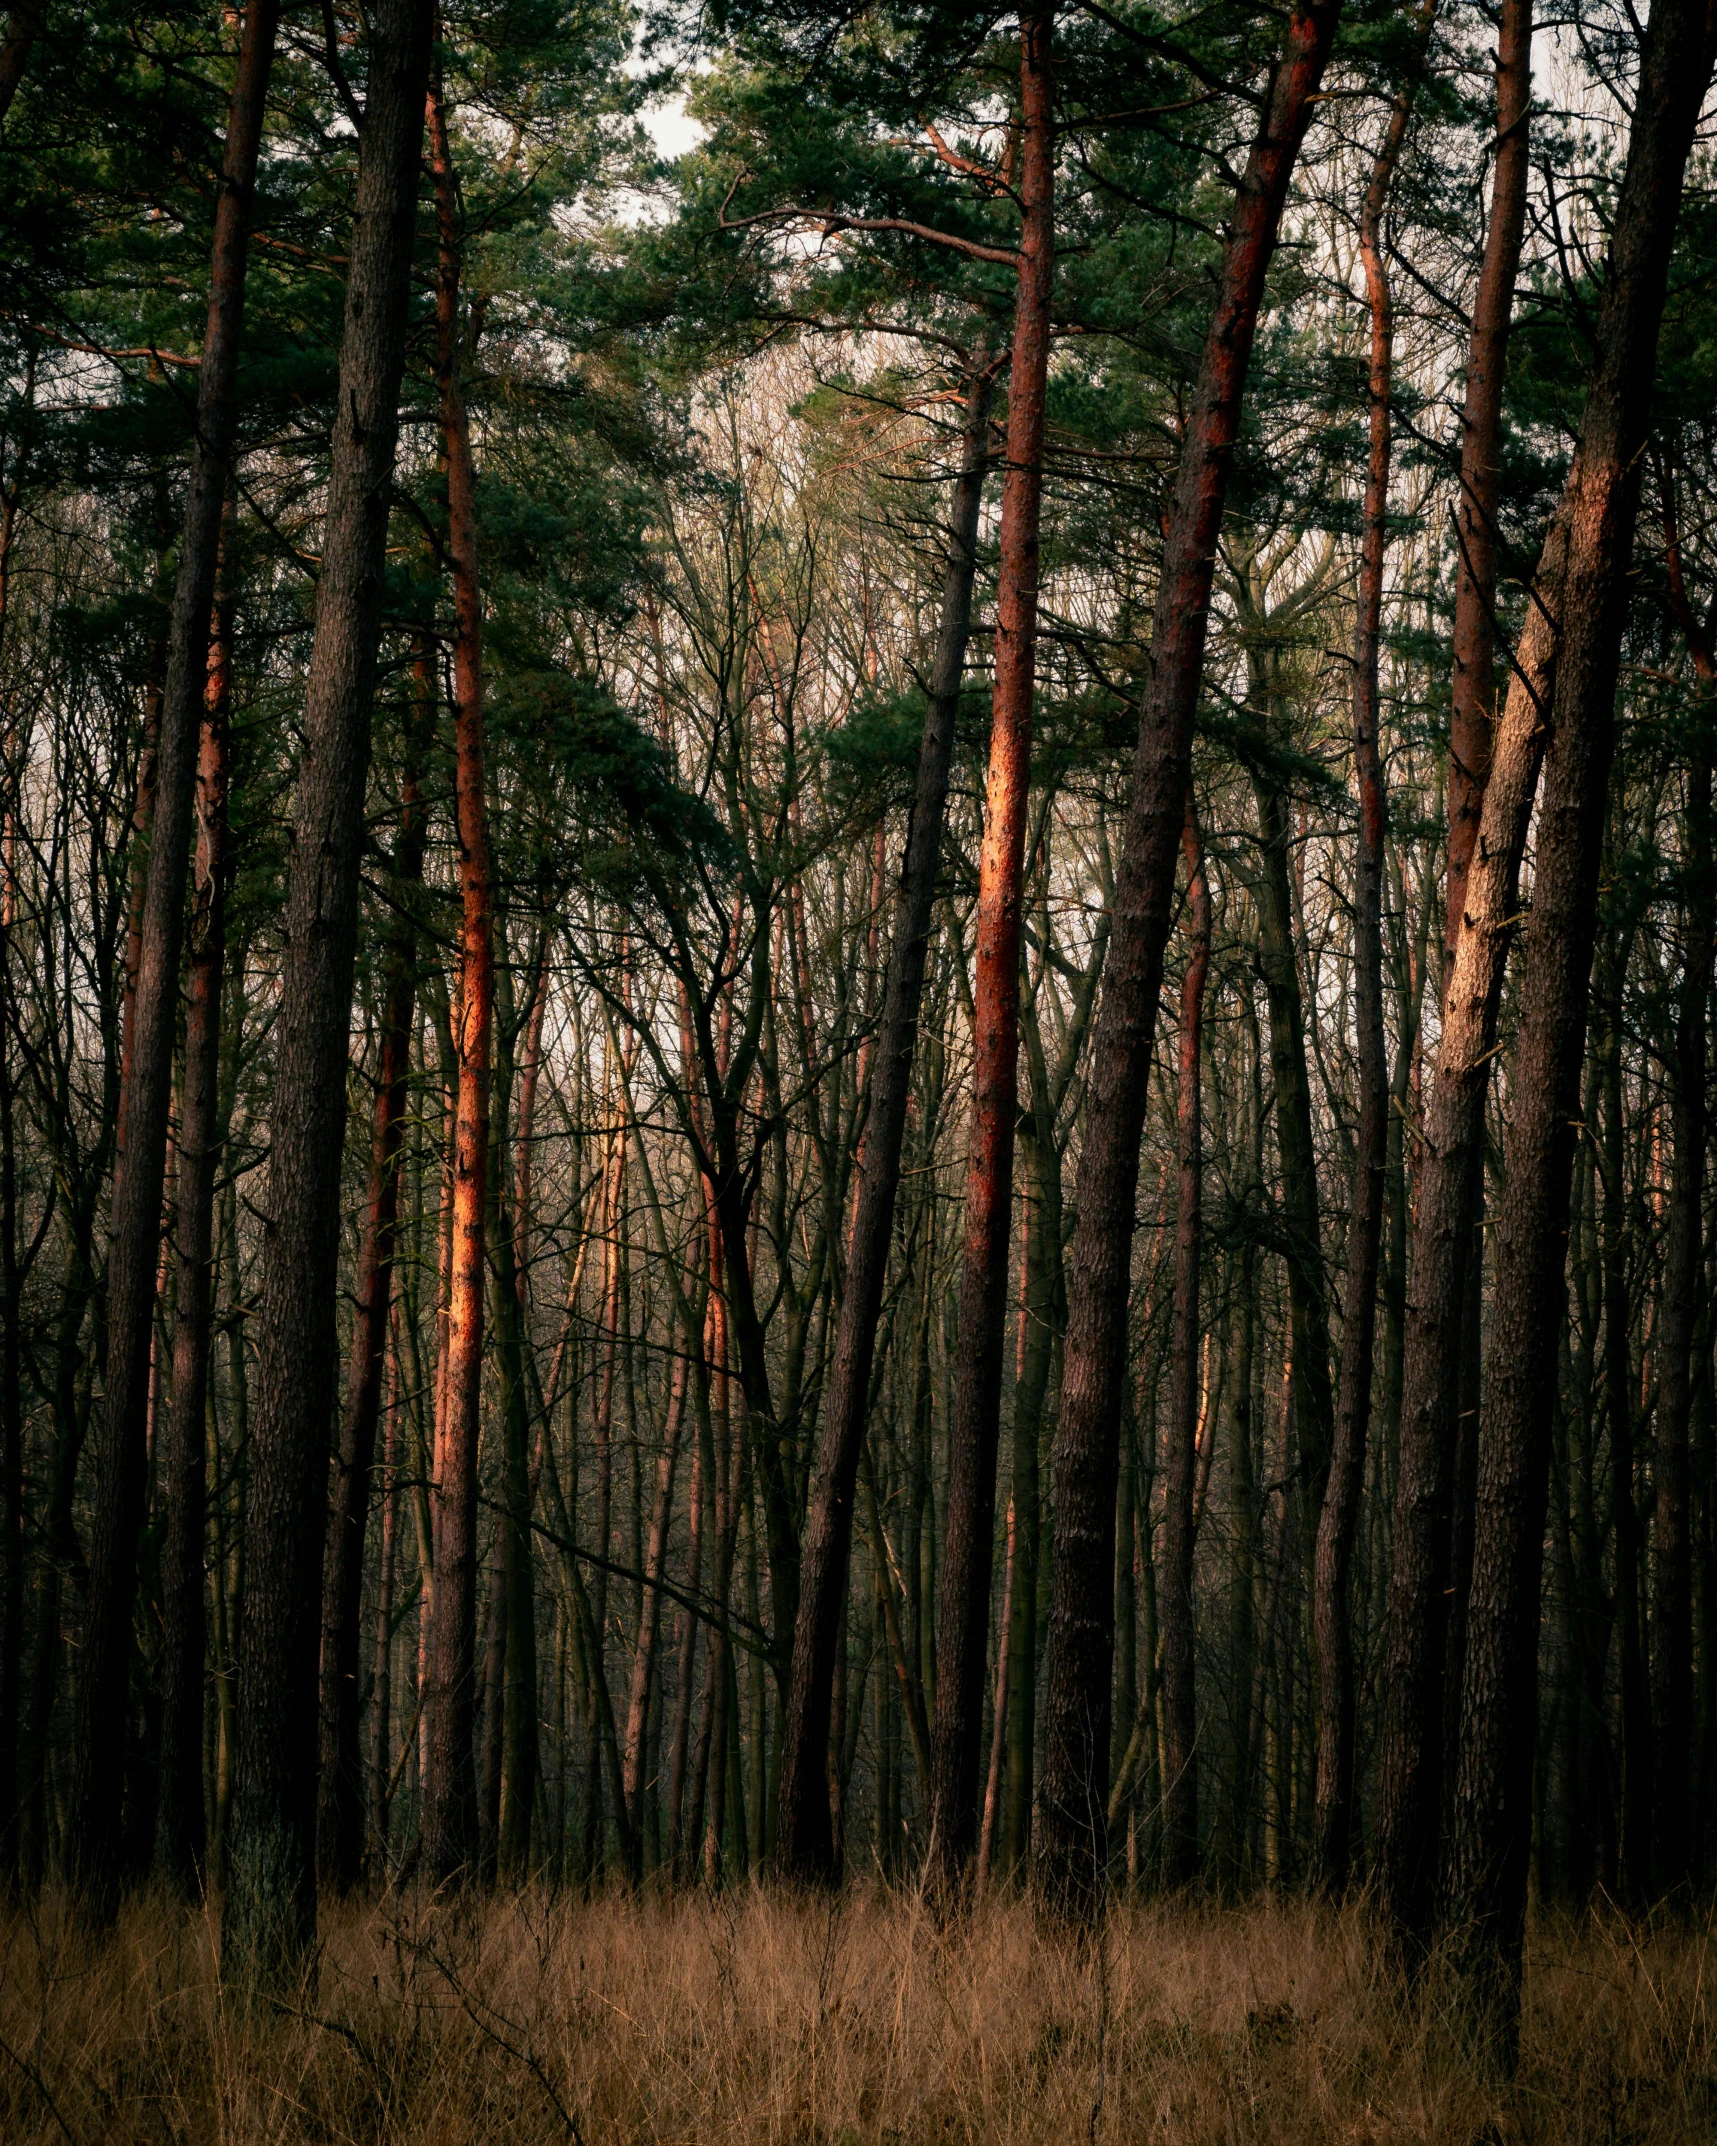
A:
{"points": [[902, 1067]]}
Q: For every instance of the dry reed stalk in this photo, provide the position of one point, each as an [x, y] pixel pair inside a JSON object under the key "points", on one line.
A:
{"points": [[753, 2017]]}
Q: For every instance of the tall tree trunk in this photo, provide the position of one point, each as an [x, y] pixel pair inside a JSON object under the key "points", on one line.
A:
{"points": [[23, 22], [650, 1623], [1042, 1291], [975, 1403], [340, 1787], [269, 1920], [1633, 1862], [1472, 684], [1296, 1149], [1179, 1732], [803, 1843], [381, 1705], [1446, 1219], [100, 1728], [1074, 1853], [1672, 1589], [181, 1466], [1490, 1845], [1338, 1516], [450, 1806], [14, 1260], [520, 1758]]}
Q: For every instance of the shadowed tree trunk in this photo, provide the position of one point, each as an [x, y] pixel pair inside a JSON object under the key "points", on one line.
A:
{"points": [[803, 1842], [269, 1919], [1074, 1845], [1296, 1147], [1445, 1223], [450, 1800], [1179, 1698], [22, 24], [1338, 1516], [1672, 1589], [340, 1786], [1491, 1840], [179, 1824], [1632, 1879], [100, 1727], [520, 1756], [975, 1403]]}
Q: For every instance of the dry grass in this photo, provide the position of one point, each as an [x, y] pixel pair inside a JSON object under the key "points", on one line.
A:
{"points": [[753, 2018]]}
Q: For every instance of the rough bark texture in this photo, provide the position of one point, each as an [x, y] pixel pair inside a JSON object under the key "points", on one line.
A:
{"points": [[1632, 1877], [1074, 1846], [270, 1911], [962, 1630], [450, 1801], [179, 1825], [22, 24], [1672, 1588], [99, 1734], [1473, 692], [1473, 715], [1491, 1839], [520, 1700], [804, 1844], [1409, 1796], [1296, 1147], [1338, 1516], [340, 1783], [1179, 1697]]}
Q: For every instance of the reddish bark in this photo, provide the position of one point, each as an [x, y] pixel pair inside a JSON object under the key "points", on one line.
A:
{"points": [[1077, 1696], [102, 1708], [1491, 1839], [1409, 1792], [975, 1408], [1179, 1748], [450, 1799], [1472, 721], [1473, 695], [1426, 1611]]}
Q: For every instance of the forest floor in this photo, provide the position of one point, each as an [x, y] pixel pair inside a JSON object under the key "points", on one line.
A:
{"points": [[748, 2017]]}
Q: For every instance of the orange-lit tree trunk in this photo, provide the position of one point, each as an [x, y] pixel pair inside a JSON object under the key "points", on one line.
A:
{"points": [[1338, 1515], [1472, 718], [269, 1917], [1073, 1853], [1490, 1843], [179, 1828], [804, 1843], [340, 1784], [956, 1741], [1441, 1301], [450, 1793], [102, 1710], [1179, 1694]]}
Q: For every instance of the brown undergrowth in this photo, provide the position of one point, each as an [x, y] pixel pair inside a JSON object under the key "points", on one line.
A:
{"points": [[751, 2017]]}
